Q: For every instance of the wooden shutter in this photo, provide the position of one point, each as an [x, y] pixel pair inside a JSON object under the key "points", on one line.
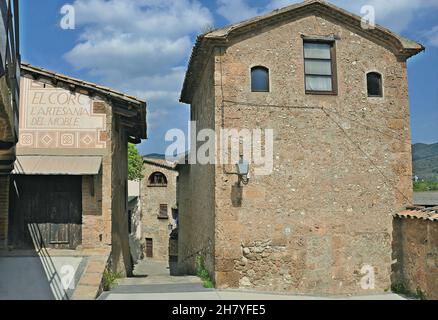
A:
{"points": [[163, 212], [149, 248]]}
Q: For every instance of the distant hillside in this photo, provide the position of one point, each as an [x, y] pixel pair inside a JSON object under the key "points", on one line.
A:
{"points": [[156, 155], [425, 161], [162, 156]]}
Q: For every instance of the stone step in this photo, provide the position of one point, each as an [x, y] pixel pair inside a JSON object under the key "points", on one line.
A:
{"points": [[159, 288], [159, 280]]}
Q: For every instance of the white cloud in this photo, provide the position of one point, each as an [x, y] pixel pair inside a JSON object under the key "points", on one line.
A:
{"points": [[126, 39], [432, 36], [237, 10], [140, 47], [397, 15]]}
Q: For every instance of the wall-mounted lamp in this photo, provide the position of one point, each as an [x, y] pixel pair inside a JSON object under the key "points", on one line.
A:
{"points": [[243, 170]]}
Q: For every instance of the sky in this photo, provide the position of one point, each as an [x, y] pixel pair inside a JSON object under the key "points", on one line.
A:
{"points": [[142, 47]]}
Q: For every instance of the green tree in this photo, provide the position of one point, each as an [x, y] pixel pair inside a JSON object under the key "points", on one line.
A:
{"points": [[135, 164]]}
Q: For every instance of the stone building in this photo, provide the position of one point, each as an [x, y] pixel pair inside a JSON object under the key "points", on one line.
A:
{"points": [[134, 221], [336, 96], [158, 202], [69, 186], [9, 101], [415, 252]]}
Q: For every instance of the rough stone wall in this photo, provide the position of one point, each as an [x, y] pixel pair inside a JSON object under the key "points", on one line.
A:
{"points": [[4, 210], [196, 189], [415, 250], [136, 241], [7, 134], [97, 211], [326, 210], [110, 228], [93, 230], [7, 126], [120, 255], [153, 197], [107, 175]]}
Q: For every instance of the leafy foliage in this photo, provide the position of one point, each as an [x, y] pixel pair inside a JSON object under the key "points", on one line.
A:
{"points": [[109, 279], [202, 273], [423, 186], [135, 164]]}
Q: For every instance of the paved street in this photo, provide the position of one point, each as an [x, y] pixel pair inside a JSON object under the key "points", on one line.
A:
{"points": [[26, 275], [153, 282]]}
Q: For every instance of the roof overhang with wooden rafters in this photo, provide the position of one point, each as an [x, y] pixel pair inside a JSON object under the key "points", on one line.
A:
{"points": [[130, 110], [401, 47]]}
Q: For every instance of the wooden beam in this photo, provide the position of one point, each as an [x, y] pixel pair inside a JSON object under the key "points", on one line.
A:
{"points": [[126, 123], [125, 112], [134, 140]]}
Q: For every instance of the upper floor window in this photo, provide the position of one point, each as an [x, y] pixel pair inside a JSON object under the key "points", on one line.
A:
{"points": [[320, 67], [157, 179], [374, 84], [163, 214], [260, 79]]}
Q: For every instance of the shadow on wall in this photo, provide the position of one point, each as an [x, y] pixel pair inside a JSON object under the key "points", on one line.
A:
{"points": [[173, 253], [415, 252]]}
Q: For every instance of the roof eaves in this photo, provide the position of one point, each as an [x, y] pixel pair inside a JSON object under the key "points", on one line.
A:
{"points": [[114, 96], [201, 50], [420, 213], [163, 164], [81, 83]]}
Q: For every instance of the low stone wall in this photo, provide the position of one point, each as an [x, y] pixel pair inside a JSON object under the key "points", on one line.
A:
{"points": [[415, 252], [90, 285]]}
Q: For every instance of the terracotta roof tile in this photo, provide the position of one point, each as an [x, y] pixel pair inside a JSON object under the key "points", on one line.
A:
{"points": [[422, 213]]}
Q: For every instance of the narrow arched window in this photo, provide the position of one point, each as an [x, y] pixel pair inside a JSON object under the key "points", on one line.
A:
{"points": [[374, 84], [157, 179], [260, 79]]}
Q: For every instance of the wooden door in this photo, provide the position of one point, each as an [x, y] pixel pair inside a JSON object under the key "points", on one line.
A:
{"points": [[47, 209], [149, 248], [59, 213]]}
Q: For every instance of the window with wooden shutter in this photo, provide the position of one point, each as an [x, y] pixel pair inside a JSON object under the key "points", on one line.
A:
{"points": [[149, 248], [163, 212]]}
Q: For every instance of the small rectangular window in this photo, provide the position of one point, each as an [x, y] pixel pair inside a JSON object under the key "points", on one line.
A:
{"points": [[163, 212], [259, 79], [319, 67], [149, 248], [374, 84]]}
